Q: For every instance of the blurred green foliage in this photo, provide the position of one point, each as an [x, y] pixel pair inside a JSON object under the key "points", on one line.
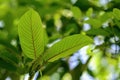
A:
{"points": [[62, 18]]}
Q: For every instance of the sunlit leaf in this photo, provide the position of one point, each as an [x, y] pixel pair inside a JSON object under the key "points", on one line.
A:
{"points": [[45, 37], [105, 16], [31, 34], [89, 12], [76, 12], [4, 8], [67, 76], [116, 13], [66, 47]]}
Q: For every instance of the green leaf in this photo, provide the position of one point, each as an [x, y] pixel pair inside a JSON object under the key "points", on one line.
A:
{"points": [[98, 31], [10, 47], [95, 23], [89, 12], [45, 37], [106, 16], [31, 34], [117, 22], [66, 46], [116, 13], [7, 65], [7, 56], [76, 12]]}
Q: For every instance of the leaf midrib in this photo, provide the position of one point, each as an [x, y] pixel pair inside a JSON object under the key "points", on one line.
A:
{"points": [[32, 36]]}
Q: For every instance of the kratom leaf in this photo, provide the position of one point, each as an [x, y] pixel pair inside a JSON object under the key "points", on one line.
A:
{"points": [[105, 16], [7, 65], [95, 23], [7, 56], [76, 12], [66, 46], [31, 34], [45, 37], [116, 13], [89, 12], [117, 22], [98, 31], [10, 47]]}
